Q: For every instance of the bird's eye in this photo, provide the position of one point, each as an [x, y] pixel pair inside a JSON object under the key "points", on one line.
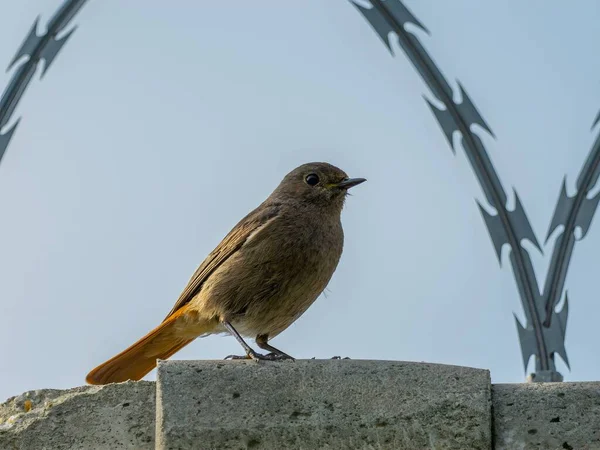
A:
{"points": [[312, 179]]}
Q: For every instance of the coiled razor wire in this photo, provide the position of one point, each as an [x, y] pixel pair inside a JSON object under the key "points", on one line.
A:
{"points": [[543, 335], [35, 48]]}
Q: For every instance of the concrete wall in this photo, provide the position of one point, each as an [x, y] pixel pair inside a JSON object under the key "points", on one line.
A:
{"points": [[314, 404]]}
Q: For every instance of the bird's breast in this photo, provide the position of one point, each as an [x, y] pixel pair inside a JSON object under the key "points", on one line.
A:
{"points": [[276, 275]]}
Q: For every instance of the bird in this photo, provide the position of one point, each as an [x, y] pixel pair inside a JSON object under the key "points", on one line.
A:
{"points": [[264, 274]]}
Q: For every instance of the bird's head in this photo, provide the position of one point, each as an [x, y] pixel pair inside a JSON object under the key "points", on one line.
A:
{"points": [[318, 183]]}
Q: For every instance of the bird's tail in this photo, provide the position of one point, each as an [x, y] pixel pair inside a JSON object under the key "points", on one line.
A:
{"points": [[140, 358]]}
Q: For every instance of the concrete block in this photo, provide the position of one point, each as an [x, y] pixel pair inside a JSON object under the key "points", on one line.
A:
{"points": [[117, 416], [547, 416], [321, 404]]}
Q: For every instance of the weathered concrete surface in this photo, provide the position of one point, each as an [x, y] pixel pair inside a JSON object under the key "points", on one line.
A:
{"points": [[118, 416], [317, 404], [547, 416]]}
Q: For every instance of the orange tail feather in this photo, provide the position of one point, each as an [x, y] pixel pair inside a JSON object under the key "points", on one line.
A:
{"points": [[140, 358]]}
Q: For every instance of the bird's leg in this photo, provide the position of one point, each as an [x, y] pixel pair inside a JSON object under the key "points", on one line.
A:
{"points": [[250, 353], [276, 354]]}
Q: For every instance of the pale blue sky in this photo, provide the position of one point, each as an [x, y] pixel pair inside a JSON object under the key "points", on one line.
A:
{"points": [[158, 127]]}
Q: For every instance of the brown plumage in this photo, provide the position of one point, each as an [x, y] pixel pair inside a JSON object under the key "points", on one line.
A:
{"points": [[262, 276]]}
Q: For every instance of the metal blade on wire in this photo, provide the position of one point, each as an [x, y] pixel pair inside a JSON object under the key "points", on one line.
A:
{"points": [[34, 49], [506, 227]]}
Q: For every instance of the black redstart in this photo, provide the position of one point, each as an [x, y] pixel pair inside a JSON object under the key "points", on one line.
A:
{"points": [[262, 276]]}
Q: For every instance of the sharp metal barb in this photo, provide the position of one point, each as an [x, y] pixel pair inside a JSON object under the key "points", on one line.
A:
{"points": [[470, 113], [52, 48], [29, 44], [505, 227], [35, 48]]}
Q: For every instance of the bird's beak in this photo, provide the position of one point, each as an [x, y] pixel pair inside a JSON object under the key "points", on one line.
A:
{"points": [[350, 182]]}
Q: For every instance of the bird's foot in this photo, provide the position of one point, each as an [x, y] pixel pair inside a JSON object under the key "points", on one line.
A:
{"points": [[277, 357], [237, 357]]}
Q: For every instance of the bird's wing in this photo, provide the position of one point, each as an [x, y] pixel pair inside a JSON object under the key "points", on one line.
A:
{"points": [[227, 247]]}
